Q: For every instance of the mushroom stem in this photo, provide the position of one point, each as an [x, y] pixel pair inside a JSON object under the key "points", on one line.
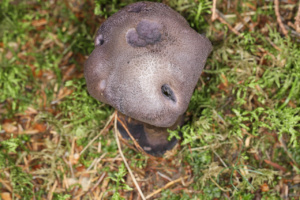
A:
{"points": [[150, 139]]}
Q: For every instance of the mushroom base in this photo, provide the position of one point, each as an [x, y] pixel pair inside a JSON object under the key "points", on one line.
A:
{"points": [[153, 140]]}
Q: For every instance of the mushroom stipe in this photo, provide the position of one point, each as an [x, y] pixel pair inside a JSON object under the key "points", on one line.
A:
{"points": [[153, 140], [146, 63]]}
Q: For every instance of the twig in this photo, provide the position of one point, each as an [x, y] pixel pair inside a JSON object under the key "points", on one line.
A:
{"points": [[224, 190], [214, 10], [132, 138], [222, 20], [101, 132], [50, 194], [124, 160], [6, 185], [220, 158], [164, 176], [140, 149], [94, 187], [96, 161], [165, 187], [282, 143], [284, 31], [297, 20], [275, 165]]}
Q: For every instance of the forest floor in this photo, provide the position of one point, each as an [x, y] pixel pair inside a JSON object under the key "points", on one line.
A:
{"points": [[241, 138]]}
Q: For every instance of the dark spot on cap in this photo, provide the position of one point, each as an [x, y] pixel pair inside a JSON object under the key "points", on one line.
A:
{"points": [[99, 40], [134, 40], [146, 33], [168, 92]]}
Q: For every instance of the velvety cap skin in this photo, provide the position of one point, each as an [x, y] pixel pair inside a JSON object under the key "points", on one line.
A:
{"points": [[146, 63]]}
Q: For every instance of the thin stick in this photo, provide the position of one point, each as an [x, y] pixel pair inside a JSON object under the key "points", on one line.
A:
{"points": [[124, 160], [166, 186], [140, 149], [214, 7], [132, 138], [220, 18], [297, 20], [91, 189], [224, 190], [101, 132], [220, 158], [50, 194], [284, 31]]}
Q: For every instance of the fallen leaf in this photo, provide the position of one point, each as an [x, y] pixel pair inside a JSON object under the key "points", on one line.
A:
{"points": [[9, 128], [264, 187], [71, 181], [247, 141], [74, 158], [39, 22], [81, 168], [296, 179], [5, 196], [40, 127], [85, 183], [9, 55], [275, 165]]}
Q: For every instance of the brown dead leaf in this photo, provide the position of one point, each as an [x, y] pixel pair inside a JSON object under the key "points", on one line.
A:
{"points": [[81, 168], [74, 158], [85, 183], [9, 128], [39, 22], [224, 84], [292, 104], [296, 179], [67, 74], [40, 127], [31, 111], [247, 141], [275, 165], [9, 55], [62, 94], [37, 73], [264, 187], [29, 132], [71, 181], [5, 196], [13, 46], [36, 167]]}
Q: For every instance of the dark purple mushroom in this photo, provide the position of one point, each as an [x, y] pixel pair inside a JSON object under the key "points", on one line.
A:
{"points": [[146, 63]]}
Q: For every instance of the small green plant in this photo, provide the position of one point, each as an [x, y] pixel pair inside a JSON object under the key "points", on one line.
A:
{"points": [[119, 182], [91, 112], [238, 168], [193, 10], [21, 183], [284, 121], [10, 145], [62, 197], [105, 8]]}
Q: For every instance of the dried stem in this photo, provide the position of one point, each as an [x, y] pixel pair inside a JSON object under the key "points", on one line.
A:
{"points": [[124, 160], [166, 186], [222, 20], [297, 20], [281, 25], [214, 15], [101, 132]]}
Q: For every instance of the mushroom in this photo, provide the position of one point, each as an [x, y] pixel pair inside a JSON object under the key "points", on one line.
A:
{"points": [[146, 63]]}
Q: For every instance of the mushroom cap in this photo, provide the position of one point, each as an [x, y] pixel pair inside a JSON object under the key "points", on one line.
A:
{"points": [[146, 63]]}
